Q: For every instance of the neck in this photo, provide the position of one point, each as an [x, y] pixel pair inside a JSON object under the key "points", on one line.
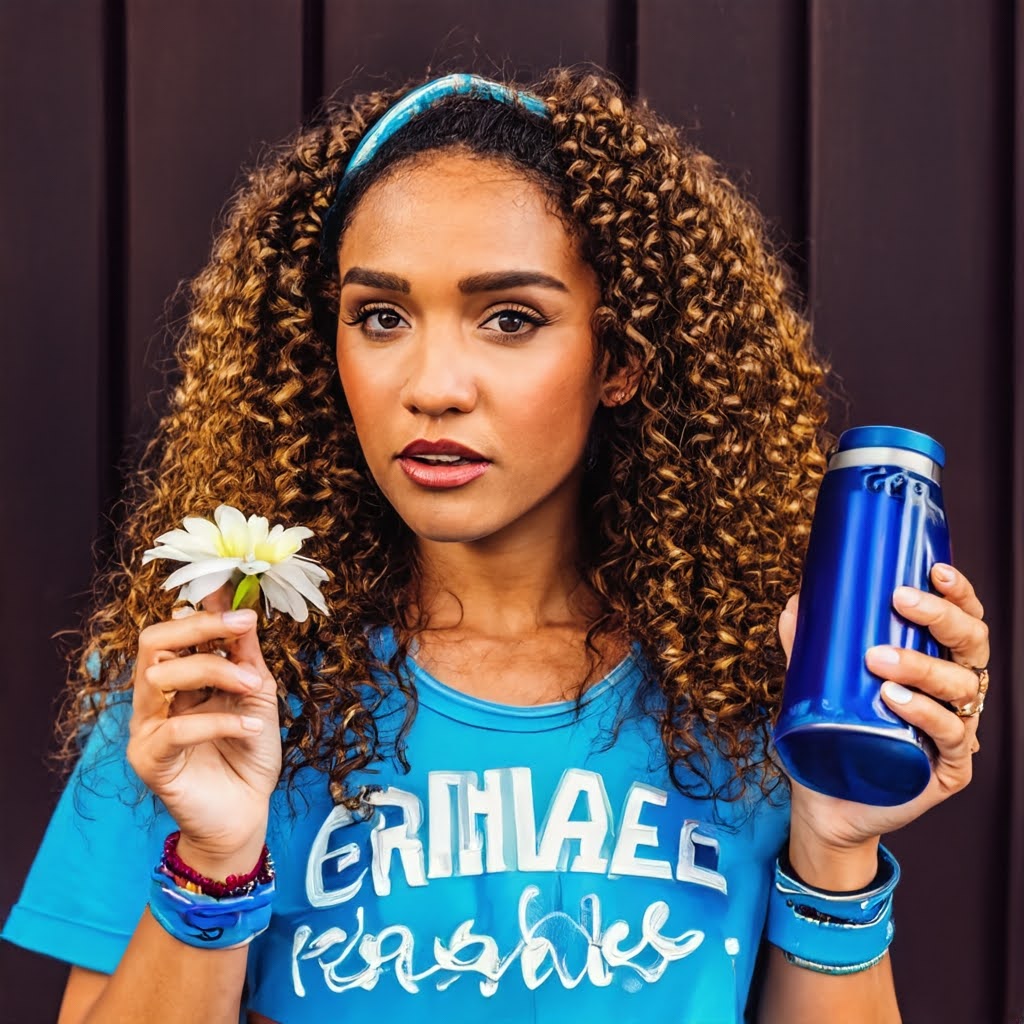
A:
{"points": [[516, 583]]}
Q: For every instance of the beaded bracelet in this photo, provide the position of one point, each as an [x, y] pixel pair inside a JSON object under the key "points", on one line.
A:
{"points": [[205, 912], [833, 933], [191, 880]]}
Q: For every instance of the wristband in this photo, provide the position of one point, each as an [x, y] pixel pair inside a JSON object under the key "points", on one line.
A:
{"points": [[205, 921], [834, 933]]}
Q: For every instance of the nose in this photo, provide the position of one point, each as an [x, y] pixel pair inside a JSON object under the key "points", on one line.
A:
{"points": [[440, 376]]}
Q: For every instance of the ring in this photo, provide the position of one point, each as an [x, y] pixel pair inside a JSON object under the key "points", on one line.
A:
{"points": [[977, 705]]}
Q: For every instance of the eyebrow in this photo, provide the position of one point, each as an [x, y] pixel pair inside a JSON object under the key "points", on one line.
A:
{"points": [[376, 279], [491, 282], [501, 279]]}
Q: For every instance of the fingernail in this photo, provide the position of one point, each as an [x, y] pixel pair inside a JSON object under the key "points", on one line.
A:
{"points": [[896, 693], [243, 619], [944, 573], [247, 677], [908, 596], [251, 724], [884, 655]]}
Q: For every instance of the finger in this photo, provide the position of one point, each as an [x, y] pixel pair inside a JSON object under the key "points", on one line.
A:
{"points": [[156, 684], [179, 634], [246, 646], [964, 635], [939, 678], [220, 600], [956, 587], [167, 742], [953, 737]]}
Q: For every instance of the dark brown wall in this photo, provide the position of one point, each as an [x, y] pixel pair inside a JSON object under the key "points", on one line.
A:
{"points": [[879, 138]]}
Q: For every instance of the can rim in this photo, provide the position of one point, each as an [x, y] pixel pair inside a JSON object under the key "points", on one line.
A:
{"points": [[886, 436]]}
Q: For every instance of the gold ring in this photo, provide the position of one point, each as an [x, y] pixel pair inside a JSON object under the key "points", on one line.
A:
{"points": [[977, 705]]}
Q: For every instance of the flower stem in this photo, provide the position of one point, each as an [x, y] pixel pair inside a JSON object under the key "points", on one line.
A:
{"points": [[247, 594]]}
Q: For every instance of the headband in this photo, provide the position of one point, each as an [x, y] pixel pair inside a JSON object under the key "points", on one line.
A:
{"points": [[423, 98]]}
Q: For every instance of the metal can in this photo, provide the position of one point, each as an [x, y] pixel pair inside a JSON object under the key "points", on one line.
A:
{"points": [[879, 524]]}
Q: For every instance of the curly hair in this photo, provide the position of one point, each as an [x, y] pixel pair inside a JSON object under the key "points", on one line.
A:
{"points": [[696, 515]]}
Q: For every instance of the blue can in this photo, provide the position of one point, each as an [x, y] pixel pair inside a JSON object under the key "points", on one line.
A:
{"points": [[879, 523]]}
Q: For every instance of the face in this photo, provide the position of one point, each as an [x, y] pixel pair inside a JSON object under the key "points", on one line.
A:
{"points": [[465, 348]]}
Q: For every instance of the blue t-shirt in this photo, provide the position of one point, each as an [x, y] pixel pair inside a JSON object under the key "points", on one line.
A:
{"points": [[535, 864]]}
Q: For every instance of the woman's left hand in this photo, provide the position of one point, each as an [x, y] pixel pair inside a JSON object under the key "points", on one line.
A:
{"points": [[955, 620]]}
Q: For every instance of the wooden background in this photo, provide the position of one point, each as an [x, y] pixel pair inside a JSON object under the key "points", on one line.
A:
{"points": [[879, 136]]}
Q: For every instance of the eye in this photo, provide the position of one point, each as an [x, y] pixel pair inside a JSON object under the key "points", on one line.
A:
{"points": [[376, 320], [387, 320], [516, 321]]}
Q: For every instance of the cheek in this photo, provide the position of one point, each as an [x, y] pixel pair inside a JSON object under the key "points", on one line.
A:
{"points": [[551, 413], [366, 395]]}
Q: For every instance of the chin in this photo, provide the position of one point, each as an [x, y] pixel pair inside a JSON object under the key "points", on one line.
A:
{"points": [[451, 529]]}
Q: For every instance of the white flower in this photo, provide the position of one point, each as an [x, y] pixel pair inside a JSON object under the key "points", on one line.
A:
{"points": [[248, 552]]}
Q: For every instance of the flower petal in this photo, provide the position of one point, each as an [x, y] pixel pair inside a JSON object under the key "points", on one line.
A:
{"points": [[234, 531], [281, 544], [174, 554], [290, 574], [284, 598], [253, 568], [206, 585], [185, 541], [192, 571], [258, 529], [311, 567], [205, 534]]}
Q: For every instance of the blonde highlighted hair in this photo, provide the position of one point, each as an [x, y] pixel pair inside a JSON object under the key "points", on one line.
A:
{"points": [[697, 512]]}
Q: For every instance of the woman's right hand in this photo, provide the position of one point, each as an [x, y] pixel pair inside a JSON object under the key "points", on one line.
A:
{"points": [[205, 735]]}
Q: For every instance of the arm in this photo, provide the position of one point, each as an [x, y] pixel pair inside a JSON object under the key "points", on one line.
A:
{"points": [[162, 980], [155, 974], [213, 758], [793, 995], [82, 990], [833, 843]]}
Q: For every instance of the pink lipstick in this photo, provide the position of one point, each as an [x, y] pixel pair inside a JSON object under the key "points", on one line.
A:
{"points": [[441, 464]]}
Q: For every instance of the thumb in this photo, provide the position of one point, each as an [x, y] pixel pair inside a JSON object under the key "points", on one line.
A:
{"points": [[787, 626]]}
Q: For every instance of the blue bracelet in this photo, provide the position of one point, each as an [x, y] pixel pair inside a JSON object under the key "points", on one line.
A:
{"points": [[206, 922], [835, 933]]}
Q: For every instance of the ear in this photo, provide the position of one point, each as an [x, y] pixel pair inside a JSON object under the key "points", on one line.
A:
{"points": [[620, 384]]}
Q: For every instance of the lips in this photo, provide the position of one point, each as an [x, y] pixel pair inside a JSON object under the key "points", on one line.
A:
{"points": [[422, 448], [441, 464]]}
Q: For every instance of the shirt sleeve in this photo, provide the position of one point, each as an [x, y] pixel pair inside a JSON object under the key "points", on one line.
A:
{"points": [[89, 882]]}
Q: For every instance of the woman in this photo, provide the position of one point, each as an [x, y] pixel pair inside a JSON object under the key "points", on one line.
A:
{"points": [[527, 369]]}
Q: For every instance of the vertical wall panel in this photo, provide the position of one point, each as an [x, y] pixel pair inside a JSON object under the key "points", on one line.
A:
{"points": [[52, 435], [207, 85], [368, 45], [1014, 955], [910, 293], [732, 75], [125, 123]]}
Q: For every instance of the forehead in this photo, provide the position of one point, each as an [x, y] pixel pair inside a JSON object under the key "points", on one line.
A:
{"points": [[458, 209]]}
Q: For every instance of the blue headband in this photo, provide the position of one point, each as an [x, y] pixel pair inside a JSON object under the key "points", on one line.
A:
{"points": [[426, 96]]}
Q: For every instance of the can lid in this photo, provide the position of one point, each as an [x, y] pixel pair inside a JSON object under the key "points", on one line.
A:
{"points": [[892, 437]]}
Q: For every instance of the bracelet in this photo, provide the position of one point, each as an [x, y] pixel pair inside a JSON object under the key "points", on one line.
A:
{"points": [[234, 885], [833, 933], [201, 920]]}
